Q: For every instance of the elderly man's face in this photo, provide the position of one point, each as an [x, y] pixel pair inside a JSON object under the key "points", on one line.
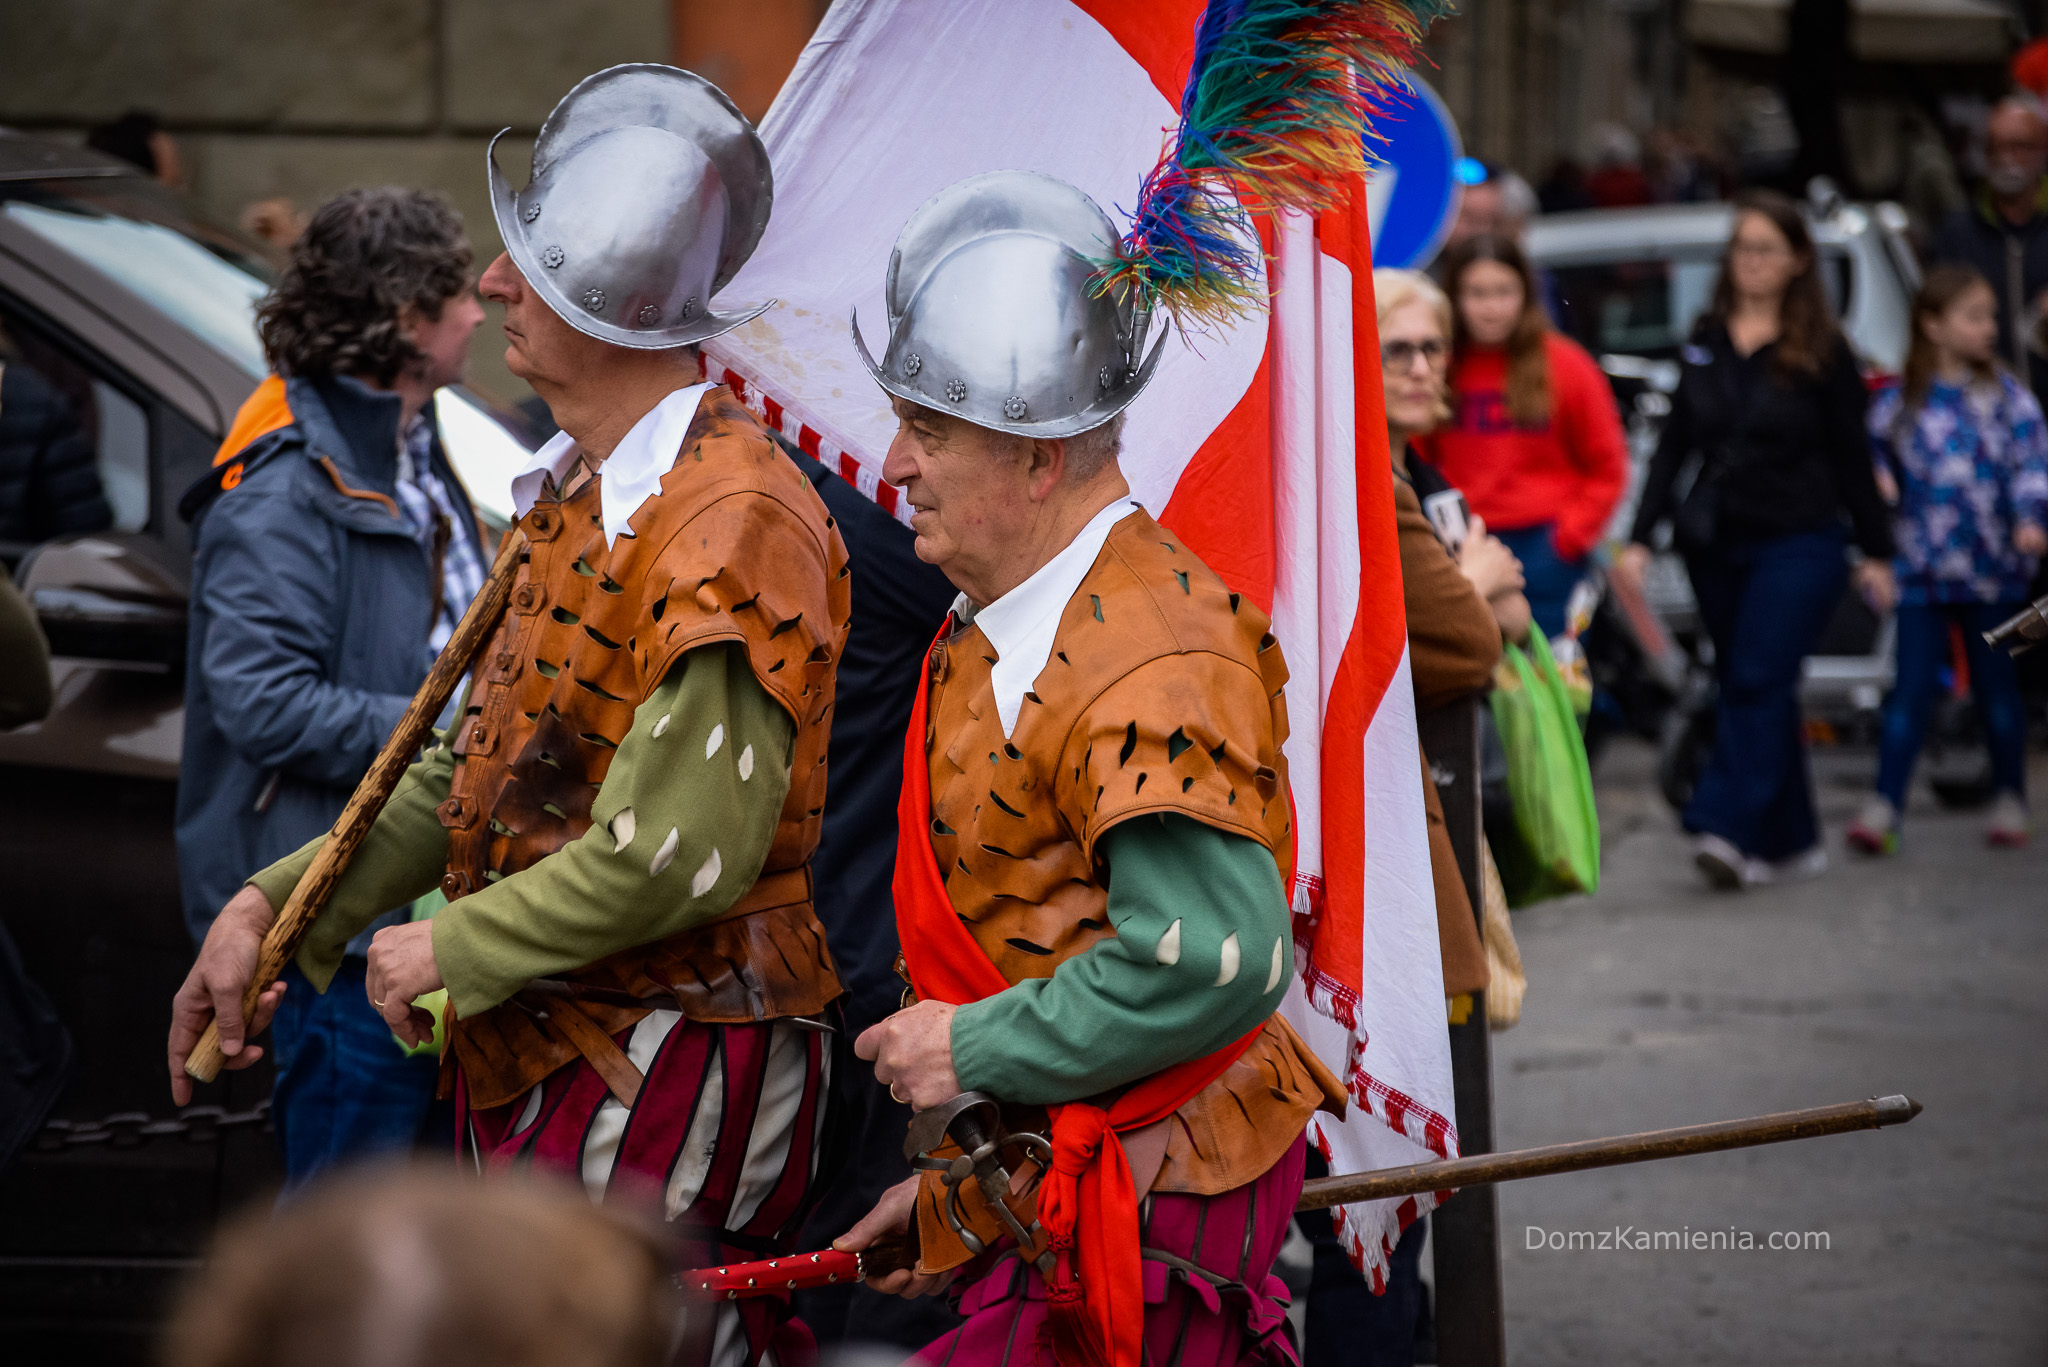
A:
{"points": [[540, 348], [2015, 151], [965, 485]]}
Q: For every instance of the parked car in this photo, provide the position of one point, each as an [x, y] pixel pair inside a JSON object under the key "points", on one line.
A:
{"points": [[135, 321], [1629, 284]]}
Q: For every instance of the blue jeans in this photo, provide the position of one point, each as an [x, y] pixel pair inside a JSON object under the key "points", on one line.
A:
{"points": [[345, 1090], [1548, 578], [1994, 682], [1765, 604]]}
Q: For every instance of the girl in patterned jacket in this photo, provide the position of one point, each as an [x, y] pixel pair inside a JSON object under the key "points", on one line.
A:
{"points": [[1962, 452]]}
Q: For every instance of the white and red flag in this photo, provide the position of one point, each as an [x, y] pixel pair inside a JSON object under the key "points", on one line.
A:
{"points": [[1263, 447]]}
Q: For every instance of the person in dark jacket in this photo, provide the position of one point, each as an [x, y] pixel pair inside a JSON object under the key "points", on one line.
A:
{"points": [[49, 482], [899, 603], [332, 565], [2003, 234], [1769, 418]]}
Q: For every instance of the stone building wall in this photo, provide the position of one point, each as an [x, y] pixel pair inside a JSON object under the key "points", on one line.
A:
{"points": [[305, 98]]}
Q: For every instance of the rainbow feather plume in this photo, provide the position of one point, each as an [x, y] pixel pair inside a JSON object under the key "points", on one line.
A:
{"points": [[1275, 116]]}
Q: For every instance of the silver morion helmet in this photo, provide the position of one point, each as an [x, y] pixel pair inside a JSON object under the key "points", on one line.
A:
{"points": [[650, 191], [992, 315]]}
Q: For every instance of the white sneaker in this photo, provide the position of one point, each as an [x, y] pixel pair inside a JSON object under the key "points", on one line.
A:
{"points": [[1876, 829], [1810, 862], [2007, 828], [1722, 864], [1757, 872]]}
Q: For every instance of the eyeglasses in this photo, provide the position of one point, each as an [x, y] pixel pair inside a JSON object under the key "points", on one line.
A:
{"points": [[1400, 356]]}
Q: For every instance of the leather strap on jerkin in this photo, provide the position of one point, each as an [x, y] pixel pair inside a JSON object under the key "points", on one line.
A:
{"points": [[1087, 1202]]}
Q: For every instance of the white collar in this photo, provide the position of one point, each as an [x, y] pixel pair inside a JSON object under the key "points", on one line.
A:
{"points": [[631, 474], [1022, 623]]}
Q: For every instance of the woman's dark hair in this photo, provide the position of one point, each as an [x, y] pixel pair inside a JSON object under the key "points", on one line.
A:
{"points": [[1528, 387], [1939, 292], [366, 256], [1807, 333]]}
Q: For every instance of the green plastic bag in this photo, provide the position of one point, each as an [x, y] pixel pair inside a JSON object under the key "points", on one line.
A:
{"points": [[1559, 848]]}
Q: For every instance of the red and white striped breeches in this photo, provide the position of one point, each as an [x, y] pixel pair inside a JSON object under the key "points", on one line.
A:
{"points": [[723, 1139]]}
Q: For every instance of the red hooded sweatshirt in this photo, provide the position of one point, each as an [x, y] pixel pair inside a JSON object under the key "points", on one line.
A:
{"points": [[1569, 472]]}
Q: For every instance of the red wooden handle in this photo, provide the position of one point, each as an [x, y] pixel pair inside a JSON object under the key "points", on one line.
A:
{"points": [[793, 1273], [799, 1270]]}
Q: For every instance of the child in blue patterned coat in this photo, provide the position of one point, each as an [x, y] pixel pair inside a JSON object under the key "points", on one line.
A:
{"points": [[1961, 445]]}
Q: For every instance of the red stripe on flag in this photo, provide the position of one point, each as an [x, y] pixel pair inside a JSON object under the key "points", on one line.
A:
{"points": [[773, 410], [1380, 604], [849, 469], [1159, 36], [807, 441], [1222, 509]]}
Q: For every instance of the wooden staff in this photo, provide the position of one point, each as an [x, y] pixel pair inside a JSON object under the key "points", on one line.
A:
{"points": [[1485, 1169], [310, 896], [738, 1281]]}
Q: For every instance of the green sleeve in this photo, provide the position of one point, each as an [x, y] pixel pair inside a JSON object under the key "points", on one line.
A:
{"points": [[1202, 954], [401, 858], [680, 830]]}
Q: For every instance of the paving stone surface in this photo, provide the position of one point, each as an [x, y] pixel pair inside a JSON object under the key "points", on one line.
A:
{"points": [[1659, 1003]]}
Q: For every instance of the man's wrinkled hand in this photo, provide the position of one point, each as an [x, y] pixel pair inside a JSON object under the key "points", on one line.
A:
{"points": [[892, 1215], [213, 990], [913, 1054], [402, 968]]}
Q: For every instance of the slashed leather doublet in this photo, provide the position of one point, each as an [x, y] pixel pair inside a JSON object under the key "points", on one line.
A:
{"points": [[1163, 693], [736, 547]]}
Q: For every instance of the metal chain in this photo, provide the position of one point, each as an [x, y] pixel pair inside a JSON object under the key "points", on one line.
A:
{"points": [[132, 1129]]}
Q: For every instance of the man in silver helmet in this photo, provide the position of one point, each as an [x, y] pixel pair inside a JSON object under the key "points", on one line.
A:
{"points": [[1095, 833], [623, 817]]}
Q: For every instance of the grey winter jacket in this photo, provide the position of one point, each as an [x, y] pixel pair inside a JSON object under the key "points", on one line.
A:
{"points": [[311, 606]]}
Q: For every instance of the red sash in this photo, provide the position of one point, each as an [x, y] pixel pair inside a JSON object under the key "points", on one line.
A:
{"points": [[1087, 1203]]}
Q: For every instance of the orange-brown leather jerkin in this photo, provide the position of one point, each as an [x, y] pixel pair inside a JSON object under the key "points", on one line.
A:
{"points": [[1163, 693], [737, 548]]}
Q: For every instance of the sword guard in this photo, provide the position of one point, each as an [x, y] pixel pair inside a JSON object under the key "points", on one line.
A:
{"points": [[973, 1121]]}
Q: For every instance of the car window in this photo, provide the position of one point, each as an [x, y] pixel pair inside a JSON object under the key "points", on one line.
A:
{"points": [[213, 297], [1648, 305], [60, 433], [129, 230], [484, 454], [121, 456]]}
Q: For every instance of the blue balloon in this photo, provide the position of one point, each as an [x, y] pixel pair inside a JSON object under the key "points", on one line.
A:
{"points": [[1417, 176]]}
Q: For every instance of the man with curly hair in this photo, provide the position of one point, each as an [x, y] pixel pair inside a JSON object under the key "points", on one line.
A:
{"points": [[333, 555]]}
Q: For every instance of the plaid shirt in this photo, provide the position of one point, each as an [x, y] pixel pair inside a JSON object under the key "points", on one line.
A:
{"points": [[426, 506]]}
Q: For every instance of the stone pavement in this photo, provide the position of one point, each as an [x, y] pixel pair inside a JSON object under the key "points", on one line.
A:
{"points": [[1659, 1003]]}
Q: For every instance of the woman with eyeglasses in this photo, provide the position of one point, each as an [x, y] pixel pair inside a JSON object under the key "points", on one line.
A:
{"points": [[1457, 608], [1534, 438], [1764, 473], [1415, 355]]}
